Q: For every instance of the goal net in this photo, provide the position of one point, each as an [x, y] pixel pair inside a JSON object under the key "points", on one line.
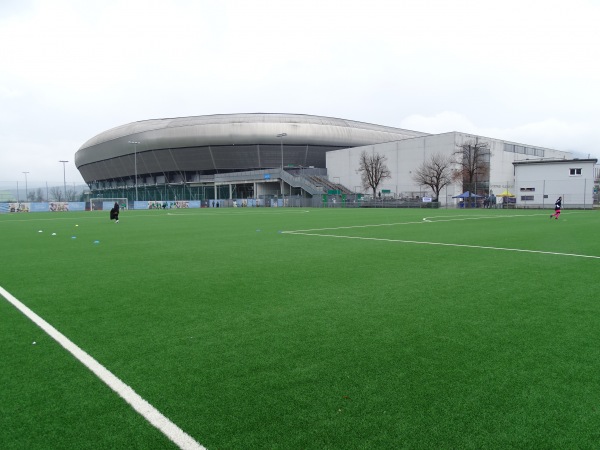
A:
{"points": [[106, 204]]}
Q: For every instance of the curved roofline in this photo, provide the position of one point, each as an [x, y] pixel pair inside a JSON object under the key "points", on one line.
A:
{"points": [[147, 125], [225, 142]]}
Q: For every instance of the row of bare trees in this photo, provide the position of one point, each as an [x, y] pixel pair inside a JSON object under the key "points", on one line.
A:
{"points": [[54, 193], [469, 164]]}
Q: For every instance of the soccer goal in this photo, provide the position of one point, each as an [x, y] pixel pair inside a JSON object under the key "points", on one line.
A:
{"points": [[106, 204]]}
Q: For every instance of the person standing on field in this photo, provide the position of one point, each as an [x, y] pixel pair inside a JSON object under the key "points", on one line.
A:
{"points": [[557, 207], [114, 213]]}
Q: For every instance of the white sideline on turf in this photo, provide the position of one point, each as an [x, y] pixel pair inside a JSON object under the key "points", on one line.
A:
{"points": [[311, 232], [149, 412], [404, 241]]}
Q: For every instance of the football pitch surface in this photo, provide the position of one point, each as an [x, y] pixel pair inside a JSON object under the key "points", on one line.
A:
{"points": [[288, 328]]}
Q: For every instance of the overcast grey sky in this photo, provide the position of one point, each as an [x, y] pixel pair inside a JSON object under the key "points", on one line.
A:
{"points": [[520, 70]]}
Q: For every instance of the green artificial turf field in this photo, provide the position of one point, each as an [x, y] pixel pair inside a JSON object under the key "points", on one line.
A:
{"points": [[304, 328]]}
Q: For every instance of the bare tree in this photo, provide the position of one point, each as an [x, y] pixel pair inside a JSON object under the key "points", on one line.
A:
{"points": [[436, 173], [71, 195], [473, 159], [35, 195], [39, 195], [373, 170], [56, 194]]}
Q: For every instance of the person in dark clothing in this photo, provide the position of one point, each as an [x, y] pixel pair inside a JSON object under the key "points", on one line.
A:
{"points": [[114, 213], [557, 206]]}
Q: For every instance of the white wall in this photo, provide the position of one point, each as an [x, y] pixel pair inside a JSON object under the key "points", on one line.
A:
{"points": [[405, 156], [502, 172], [548, 180]]}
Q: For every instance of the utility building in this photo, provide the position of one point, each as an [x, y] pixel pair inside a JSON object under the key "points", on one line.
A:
{"points": [[539, 183]]}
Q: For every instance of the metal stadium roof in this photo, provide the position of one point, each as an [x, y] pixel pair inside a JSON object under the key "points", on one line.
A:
{"points": [[224, 142]]}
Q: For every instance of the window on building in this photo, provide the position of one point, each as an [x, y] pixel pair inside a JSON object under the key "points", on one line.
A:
{"points": [[575, 172], [524, 150], [525, 198], [527, 189]]}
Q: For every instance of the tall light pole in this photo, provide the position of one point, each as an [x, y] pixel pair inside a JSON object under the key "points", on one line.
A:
{"points": [[281, 136], [135, 143], [64, 177], [25, 185]]}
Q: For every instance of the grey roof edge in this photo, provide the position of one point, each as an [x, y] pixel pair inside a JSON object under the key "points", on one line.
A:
{"points": [[142, 126], [555, 161]]}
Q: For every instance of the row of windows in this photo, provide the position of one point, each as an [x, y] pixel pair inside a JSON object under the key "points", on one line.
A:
{"points": [[514, 148], [525, 198], [572, 172]]}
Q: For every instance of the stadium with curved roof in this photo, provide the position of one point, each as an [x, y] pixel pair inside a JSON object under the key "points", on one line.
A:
{"points": [[225, 154]]}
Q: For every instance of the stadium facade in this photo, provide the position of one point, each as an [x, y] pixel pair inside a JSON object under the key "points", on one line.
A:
{"points": [[239, 156]]}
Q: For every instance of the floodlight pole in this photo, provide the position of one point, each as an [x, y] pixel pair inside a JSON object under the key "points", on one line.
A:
{"points": [[25, 185], [135, 143], [64, 178], [281, 136]]}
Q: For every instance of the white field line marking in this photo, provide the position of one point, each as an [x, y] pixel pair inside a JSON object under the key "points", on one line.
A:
{"points": [[137, 216], [402, 241], [453, 218], [354, 226], [349, 227], [149, 412], [204, 214], [424, 220], [53, 219], [509, 216]]}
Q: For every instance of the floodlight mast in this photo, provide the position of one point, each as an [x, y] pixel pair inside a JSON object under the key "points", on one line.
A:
{"points": [[25, 185], [64, 178], [135, 143], [281, 136]]}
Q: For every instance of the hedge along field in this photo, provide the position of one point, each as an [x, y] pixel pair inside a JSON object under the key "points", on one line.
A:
{"points": [[296, 328]]}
